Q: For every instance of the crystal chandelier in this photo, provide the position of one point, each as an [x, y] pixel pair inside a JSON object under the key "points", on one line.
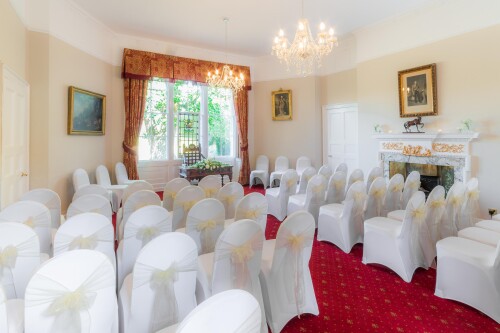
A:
{"points": [[305, 52], [226, 79]]}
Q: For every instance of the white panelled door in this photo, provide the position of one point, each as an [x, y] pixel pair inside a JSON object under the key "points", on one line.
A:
{"points": [[15, 137], [340, 135]]}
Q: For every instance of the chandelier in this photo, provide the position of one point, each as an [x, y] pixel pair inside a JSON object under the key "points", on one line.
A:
{"points": [[305, 53], [226, 79]]}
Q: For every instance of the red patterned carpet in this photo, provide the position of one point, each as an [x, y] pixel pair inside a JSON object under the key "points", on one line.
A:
{"points": [[353, 297]]}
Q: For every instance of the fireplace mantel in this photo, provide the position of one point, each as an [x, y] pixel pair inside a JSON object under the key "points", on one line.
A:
{"points": [[449, 149]]}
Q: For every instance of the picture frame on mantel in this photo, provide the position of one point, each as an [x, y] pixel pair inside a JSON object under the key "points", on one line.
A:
{"points": [[86, 112], [282, 105], [418, 91]]}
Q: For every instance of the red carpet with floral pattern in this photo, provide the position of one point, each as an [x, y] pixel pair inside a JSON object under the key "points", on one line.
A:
{"points": [[353, 297]]}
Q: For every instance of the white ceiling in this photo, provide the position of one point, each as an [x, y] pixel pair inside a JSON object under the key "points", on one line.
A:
{"points": [[253, 23]]}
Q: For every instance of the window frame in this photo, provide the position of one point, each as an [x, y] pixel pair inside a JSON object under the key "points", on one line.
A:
{"points": [[203, 134]]}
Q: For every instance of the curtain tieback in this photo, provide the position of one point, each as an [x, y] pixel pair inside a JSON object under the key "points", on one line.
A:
{"points": [[128, 149]]}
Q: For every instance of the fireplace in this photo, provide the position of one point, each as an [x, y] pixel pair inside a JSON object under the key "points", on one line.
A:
{"points": [[440, 158], [430, 175]]}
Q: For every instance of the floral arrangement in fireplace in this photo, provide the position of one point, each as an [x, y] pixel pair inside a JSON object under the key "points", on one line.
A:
{"points": [[208, 164]]}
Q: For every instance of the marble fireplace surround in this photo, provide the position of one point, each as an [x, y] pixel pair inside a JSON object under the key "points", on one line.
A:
{"points": [[448, 149]]}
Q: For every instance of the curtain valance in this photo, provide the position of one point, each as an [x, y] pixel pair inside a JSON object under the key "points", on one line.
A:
{"points": [[144, 65]]}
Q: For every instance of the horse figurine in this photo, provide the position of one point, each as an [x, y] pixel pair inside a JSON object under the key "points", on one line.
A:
{"points": [[415, 122]]}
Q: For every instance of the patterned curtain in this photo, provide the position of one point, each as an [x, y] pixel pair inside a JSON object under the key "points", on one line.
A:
{"points": [[135, 103], [241, 110]]}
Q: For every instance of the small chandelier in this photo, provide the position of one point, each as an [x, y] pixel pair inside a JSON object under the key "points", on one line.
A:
{"points": [[226, 79], [305, 52]]}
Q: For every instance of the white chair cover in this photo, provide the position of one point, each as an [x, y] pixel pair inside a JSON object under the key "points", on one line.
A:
{"points": [[489, 224], [469, 272], [19, 257], [434, 212], [342, 167], [376, 197], [277, 197], [485, 236], [80, 179], [204, 224], [184, 201], [236, 169], [137, 200], [303, 162], [121, 175], [36, 216], [356, 176], [253, 206], [287, 287], [304, 178], [280, 166], [261, 171], [211, 185], [325, 171], [230, 194], [170, 191], [142, 226], [72, 293], [335, 192], [161, 290], [115, 191], [90, 203], [399, 246], [469, 214], [91, 189], [11, 314], [374, 174], [393, 195], [232, 311], [87, 231], [235, 263], [412, 184], [312, 200], [50, 199], [342, 224], [454, 200], [137, 185]]}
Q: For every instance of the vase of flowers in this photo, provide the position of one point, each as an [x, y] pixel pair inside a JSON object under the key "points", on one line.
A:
{"points": [[208, 164]]}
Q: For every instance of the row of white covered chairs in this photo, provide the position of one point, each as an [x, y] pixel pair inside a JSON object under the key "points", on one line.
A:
{"points": [[261, 171], [160, 290]]}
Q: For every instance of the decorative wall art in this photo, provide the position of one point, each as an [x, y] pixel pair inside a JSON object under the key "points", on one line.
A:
{"points": [[418, 91], [86, 112], [282, 105]]}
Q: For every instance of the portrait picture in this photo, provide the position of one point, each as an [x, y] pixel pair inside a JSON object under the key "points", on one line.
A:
{"points": [[418, 91], [282, 105], [86, 112]]}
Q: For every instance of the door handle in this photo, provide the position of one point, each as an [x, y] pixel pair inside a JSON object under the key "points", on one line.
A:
{"points": [[24, 174], [329, 155]]}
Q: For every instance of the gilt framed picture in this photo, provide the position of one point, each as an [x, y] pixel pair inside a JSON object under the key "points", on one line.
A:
{"points": [[282, 105], [86, 112], [418, 91]]}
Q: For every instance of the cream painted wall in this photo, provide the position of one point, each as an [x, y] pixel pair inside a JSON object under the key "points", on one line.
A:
{"points": [[300, 136], [38, 60], [69, 66], [468, 82], [339, 88], [54, 155], [13, 39]]}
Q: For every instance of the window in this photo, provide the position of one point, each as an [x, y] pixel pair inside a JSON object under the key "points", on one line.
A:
{"points": [[178, 114]]}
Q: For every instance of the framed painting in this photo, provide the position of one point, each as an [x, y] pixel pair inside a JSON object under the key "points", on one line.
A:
{"points": [[86, 112], [418, 91], [282, 105]]}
